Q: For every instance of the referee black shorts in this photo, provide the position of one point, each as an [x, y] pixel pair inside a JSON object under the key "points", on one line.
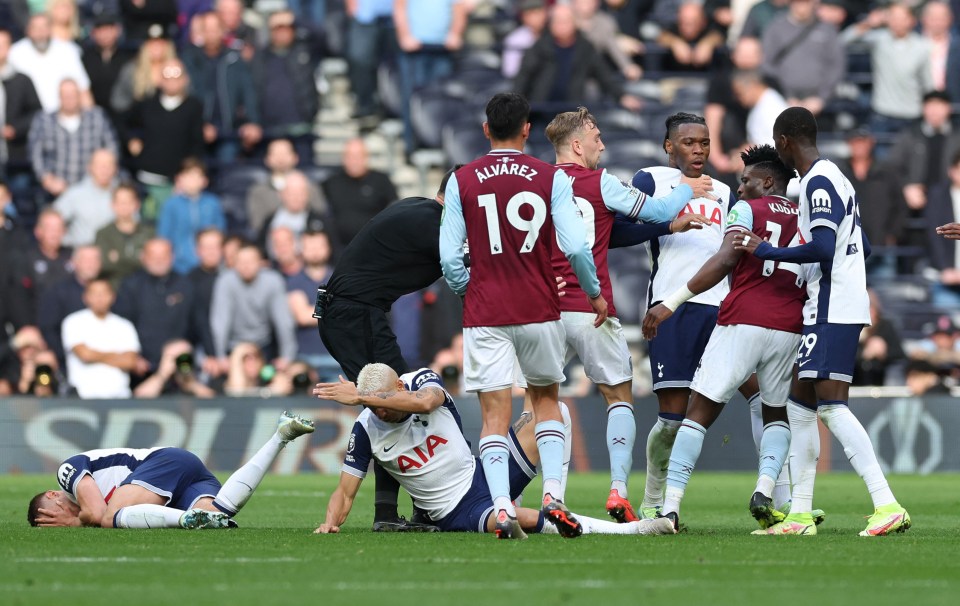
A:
{"points": [[356, 335]]}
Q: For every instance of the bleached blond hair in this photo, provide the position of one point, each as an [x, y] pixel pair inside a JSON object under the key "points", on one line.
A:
{"points": [[374, 378]]}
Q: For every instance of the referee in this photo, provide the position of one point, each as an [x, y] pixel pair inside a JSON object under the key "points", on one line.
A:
{"points": [[396, 253]]}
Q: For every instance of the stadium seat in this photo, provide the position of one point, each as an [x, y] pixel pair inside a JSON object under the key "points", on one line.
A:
{"points": [[429, 111], [388, 88], [463, 141]]}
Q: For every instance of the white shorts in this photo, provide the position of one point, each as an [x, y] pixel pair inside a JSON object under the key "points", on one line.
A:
{"points": [[602, 351], [736, 352], [491, 352]]}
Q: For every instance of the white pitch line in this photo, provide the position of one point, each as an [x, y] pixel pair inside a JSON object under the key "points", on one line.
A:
{"points": [[135, 560]]}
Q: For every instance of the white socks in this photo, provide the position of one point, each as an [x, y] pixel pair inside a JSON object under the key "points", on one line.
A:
{"points": [[659, 444], [239, 487], [595, 526], [804, 453], [856, 445], [147, 516], [756, 418], [567, 446]]}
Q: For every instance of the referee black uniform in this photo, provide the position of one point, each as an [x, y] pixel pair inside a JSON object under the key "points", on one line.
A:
{"points": [[396, 253]]}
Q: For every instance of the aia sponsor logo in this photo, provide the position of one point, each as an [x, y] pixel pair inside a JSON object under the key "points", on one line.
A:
{"points": [[420, 454]]}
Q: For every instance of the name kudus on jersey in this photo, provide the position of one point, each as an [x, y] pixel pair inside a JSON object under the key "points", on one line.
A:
{"points": [[426, 453], [505, 166], [837, 288], [675, 258]]}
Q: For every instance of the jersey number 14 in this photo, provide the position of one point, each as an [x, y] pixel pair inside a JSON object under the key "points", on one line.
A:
{"points": [[770, 266]]}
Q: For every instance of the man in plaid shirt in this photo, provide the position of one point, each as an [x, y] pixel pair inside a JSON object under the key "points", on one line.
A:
{"points": [[62, 142]]}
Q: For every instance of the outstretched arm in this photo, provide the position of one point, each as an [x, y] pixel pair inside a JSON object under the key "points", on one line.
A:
{"points": [[425, 400], [821, 247], [341, 502], [713, 271]]}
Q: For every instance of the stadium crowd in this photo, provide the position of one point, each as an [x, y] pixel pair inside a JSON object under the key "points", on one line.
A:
{"points": [[132, 266]]}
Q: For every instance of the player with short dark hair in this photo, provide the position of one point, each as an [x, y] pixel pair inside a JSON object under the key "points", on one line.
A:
{"points": [[675, 259], [575, 136], [155, 487], [514, 209], [396, 253], [412, 427], [758, 330], [832, 249]]}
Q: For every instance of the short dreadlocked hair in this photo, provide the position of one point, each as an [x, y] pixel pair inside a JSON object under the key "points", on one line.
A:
{"points": [[674, 121], [765, 157]]}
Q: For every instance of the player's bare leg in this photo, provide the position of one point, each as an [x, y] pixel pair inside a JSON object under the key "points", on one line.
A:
{"points": [[701, 414], [496, 408], [551, 444], [621, 435], [673, 408]]}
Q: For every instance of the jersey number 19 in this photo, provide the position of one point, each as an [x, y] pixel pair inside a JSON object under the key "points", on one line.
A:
{"points": [[488, 202]]}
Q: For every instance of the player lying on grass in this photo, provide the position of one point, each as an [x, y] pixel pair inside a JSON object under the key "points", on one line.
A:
{"points": [[412, 428], [155, 487], [758, 331]]}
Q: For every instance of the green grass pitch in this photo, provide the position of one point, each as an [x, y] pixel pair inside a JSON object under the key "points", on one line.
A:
{"points": [[273, 558]]}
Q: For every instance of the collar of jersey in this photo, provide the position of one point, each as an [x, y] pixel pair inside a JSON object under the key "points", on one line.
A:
{"points": [[496, 152]]}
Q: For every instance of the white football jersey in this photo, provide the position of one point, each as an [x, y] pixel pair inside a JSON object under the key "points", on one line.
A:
{"points": [[837, 289], [107, 466], [676, 258], [427, 454]]}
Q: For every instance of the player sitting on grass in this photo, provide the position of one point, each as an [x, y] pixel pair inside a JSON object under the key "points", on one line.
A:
{"points": [[155, 487], [412, 428]]}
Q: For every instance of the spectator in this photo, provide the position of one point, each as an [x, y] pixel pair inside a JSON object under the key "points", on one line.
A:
{"points": [[103, 60], [263, 199], [301, 294], [158, 301], [557, 66], [283, 250], [64, 20], [141, 77], [39, 267], [222, 81], [66, 296], [804, 56], [355, 192], [923, 378], [371, 38], [187, 211], [237, 35], [13, 239], [603, 32], [245, 372], [936, 26], [692, 43], [48, 62], [86, 206], [923, 152], [900, 60], [62, 143], [630, 14], [144, 19], [175, 375], [20, 104], [249, 305], [882, 207], [231, 246], [283, 74], [428, 32], [533, 18], [940, 347], [102, 348], [202, 279], [294, 212], [880, 347], [763, 102], [158, 155], [726, 117], [27, 366], [942, 208], [122, 241], [761, 15]]}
